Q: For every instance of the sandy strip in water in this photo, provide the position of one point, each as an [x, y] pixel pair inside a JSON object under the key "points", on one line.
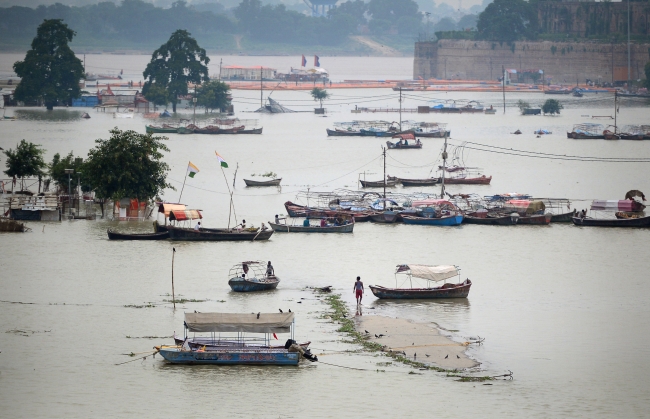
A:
{"points": [[416, 339]]}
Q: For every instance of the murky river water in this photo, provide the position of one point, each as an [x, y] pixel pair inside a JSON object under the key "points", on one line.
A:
{"points": [[564, 308]]}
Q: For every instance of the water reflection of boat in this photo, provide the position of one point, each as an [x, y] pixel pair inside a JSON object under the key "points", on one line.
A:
{"points": [[430, 274]]}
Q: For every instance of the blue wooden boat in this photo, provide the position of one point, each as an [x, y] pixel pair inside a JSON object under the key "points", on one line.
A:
{"points": [[449, 220], [238, 348], [430, 274], [251, 276]]}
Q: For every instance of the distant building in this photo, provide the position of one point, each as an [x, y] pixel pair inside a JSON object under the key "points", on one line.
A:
{"points": [[236, 72]]}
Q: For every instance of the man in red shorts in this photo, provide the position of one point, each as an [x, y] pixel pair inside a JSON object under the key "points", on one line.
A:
{"points": [[358, 290]]}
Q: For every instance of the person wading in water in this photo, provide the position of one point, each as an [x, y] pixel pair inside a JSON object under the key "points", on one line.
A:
{"points": [[358, 290]]}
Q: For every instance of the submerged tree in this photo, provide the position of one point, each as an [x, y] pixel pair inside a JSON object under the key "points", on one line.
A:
{"points": [[176, 63], [213, 95], [127, 165], [25, 161], [57, 170], [50, 72], [552, 106], [319, 95]]}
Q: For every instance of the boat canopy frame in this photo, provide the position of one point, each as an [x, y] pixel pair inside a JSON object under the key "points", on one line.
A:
{"points": [[235, 326], [430, 273]]}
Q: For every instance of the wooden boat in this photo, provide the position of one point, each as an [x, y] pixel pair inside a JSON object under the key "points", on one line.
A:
{"points": [[586, 131], [295, 210], [430, 274], [152, 129], [251, 276], [273, 182], [113, 235], [378, 184], [611, 222], [399, 146], [250, 131], [563, 218], [482, 180], [198, 342], [232, 347], [185, 130], [490, 111], [385, 217], [444, 291], [284, 228], [217, 234], [447, 220], [536, 219], [490, 219], [418, 182], [342, 133]]}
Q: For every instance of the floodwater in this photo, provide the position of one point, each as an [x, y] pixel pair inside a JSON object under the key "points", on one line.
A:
{"points": [[564, 308]]}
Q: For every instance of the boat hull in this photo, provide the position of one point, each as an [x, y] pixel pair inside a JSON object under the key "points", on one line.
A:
{"points": [[436, 134], [231, 357], [419, 182], [158, 130], [380, 184], [483, 180], [452, 220], [385, 217], [446, 291], [563, 218], [542, 219], [339, 133], [112, 235], [493, 221], [282, 228], [187, 234], [619, 222], [398, 146], [274, 182], [244, 285]]}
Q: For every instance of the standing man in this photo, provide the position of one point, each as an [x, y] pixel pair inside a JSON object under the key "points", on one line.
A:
{"points": [[358, 290], [269, 269]]}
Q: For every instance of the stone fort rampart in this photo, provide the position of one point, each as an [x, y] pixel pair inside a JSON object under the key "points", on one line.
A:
{"points": [[562, 62]]}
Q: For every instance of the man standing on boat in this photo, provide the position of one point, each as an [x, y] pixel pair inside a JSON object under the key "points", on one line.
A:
{"points": [[269, 269], [358, 290]]}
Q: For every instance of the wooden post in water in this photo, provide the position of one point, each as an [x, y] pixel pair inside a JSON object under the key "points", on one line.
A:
{"points": [[384, 148], [173, 295], [615, 111], [503, 74]]}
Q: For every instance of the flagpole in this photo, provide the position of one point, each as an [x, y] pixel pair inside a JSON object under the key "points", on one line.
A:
{"points": [[179, 198], [232, 204]]}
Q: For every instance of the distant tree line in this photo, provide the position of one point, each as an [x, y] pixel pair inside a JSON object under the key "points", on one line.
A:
{"points": [[136, 22]]}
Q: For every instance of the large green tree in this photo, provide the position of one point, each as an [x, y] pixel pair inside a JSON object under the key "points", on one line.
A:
{"points": [[50, 72], [213, 95], [176, 63], [127, 165], [393, 9], [508, 21], [25, 161], [552, 106]]}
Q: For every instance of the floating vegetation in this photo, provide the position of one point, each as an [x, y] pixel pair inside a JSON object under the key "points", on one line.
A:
{"points": [[146, 305], [185, 300], [148, 337]]}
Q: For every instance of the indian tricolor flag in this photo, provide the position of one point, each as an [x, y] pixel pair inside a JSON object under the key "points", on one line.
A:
{"points": [[192, 170], [221, 160]]}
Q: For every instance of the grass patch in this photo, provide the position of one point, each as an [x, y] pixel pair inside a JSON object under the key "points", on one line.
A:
{"points": [[146, 305], [185, 300]]}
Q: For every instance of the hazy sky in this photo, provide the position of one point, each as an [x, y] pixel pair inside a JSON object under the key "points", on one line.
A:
{"points": [[456, 4]]}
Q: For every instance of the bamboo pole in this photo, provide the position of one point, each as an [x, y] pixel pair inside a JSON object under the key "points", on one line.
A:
{"points": [[173, 295]]}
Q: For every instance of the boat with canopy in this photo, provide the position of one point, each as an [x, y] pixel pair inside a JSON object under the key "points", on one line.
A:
{"points": [[628, 213], [432, 275], [251, 276], [236, 339]]}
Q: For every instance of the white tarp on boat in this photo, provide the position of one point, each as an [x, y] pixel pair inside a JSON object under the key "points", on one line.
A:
{"points": [[432, 273], [236, 322]]}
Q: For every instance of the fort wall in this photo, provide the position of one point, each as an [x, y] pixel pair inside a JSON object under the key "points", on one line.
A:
{"points": [[561, 62]]}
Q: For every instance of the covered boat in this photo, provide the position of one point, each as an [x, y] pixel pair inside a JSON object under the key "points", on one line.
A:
{"points": [[628, 213], [228, 342], [403, 142], [587, 131], [436, 212], [432, 274], [251, 276]]}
